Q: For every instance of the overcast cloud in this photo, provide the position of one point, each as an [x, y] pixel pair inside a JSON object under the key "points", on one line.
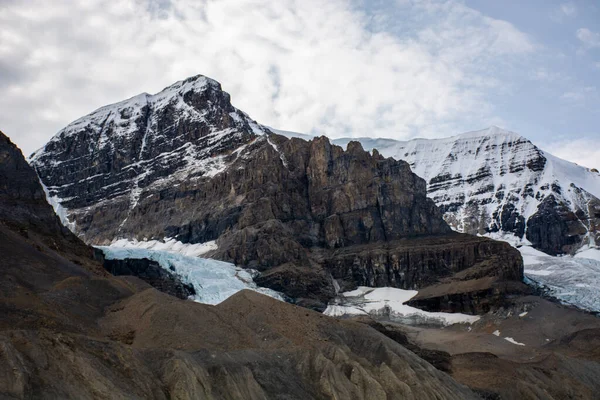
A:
{"points": [[343, 68]]}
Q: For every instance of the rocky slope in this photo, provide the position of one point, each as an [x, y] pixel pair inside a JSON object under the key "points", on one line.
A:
{"points": [[312, 217], [498, 181], [532, 349], [70, 330]]}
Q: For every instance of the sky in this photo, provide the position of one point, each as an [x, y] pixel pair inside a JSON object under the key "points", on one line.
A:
{"points": [[398, 68]]}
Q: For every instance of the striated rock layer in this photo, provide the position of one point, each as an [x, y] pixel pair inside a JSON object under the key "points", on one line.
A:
{"points": [[307, 214]]}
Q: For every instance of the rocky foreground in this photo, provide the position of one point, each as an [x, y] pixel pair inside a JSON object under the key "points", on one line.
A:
{"points": [[68, 329], [531, 349]]}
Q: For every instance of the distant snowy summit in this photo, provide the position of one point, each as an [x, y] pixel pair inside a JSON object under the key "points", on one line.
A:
{"points": [[494, 180]]}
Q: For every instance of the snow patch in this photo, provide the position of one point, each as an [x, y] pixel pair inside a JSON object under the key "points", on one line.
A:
{"points": [[61, 212], [513, 341], [496, 333], [281, 156], [589, 253], [170, 245], [387, 301]]}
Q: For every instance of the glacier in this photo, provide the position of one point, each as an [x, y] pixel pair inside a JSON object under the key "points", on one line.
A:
{"points": [[170, 245], [574, 280], [214, 281]]}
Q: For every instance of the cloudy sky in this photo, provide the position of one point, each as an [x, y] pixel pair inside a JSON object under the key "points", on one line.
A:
{"points": [[399, 69]]}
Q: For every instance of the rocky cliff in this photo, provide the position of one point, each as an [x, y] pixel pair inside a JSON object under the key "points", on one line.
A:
{"points": [[70, 330], [498, 181], [311, 216]]}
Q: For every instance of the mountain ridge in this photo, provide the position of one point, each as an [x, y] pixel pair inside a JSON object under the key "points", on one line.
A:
{"points": [[308, 215], [518, 188]]}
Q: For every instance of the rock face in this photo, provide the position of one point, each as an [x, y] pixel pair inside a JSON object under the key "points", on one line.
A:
{"points": [[70, 330], [23, 206], [22, 199], [498, 181], [307, 214]]}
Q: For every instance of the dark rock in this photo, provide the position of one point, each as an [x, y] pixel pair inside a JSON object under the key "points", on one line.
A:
{"points": [[478, 296], [23, 206], [151, 272], [554, 227], [509, 220]]}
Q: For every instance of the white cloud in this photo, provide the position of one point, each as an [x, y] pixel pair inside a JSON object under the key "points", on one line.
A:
{"points": [[563, 11], [546, 75], [568, 9], [588, 38], [308, 66], [580, 94], [583, 151]]}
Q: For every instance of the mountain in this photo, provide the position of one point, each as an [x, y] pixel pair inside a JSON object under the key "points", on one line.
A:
{"points": [[185, 130], [68, 329], [498, 181], [184, 165]]}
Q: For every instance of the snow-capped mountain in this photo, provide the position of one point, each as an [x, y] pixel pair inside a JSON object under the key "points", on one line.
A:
{"points": [[498, 181], [186, 130], [185, 166]]}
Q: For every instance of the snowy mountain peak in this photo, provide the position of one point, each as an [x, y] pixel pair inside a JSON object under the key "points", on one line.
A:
{"points": [[492, 131], [185, 130], [126, 117]]}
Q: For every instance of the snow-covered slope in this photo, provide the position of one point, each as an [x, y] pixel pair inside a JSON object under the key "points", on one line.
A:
{"points": [[494, 180], [144, 112], [148, 143]]}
